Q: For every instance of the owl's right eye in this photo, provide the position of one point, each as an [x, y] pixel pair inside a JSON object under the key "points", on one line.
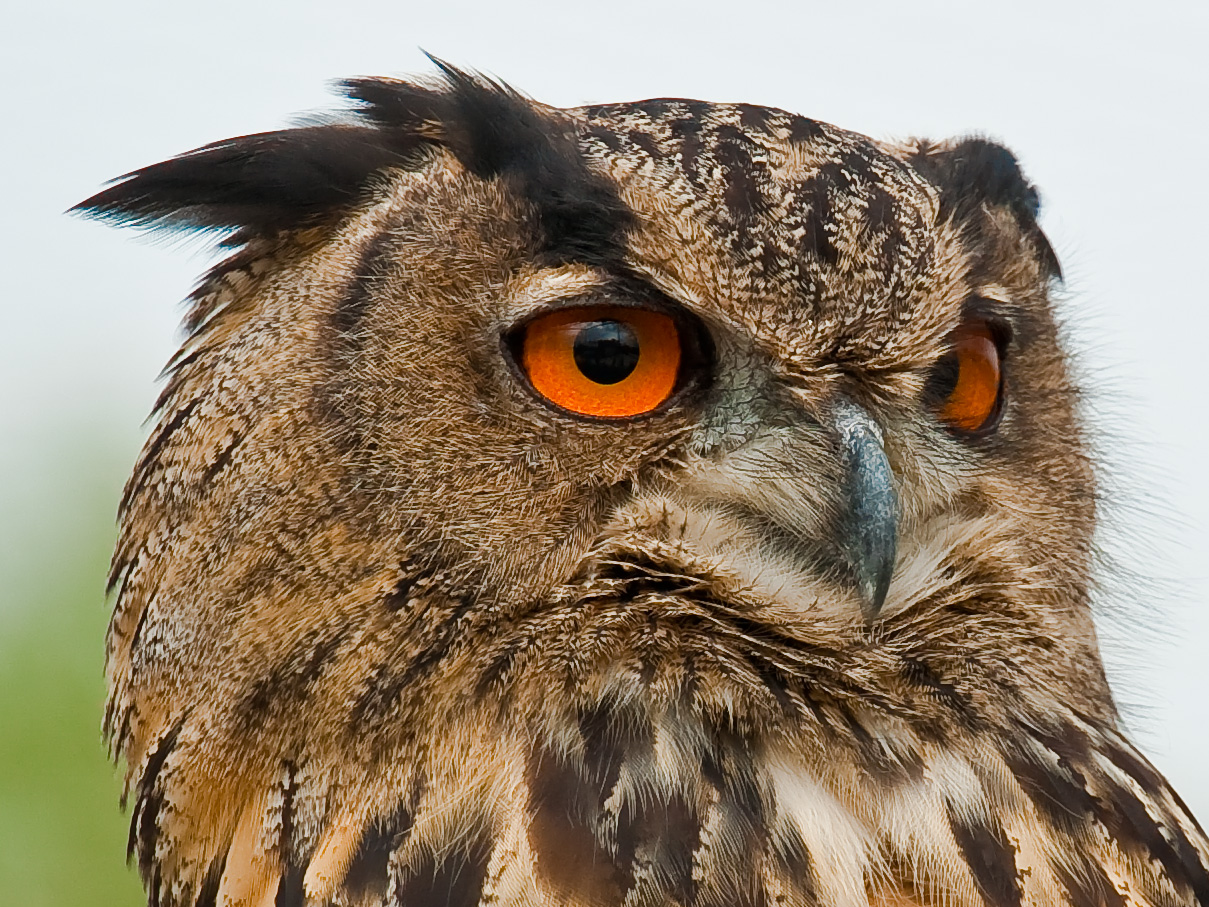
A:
{"points": [[602, 361]]}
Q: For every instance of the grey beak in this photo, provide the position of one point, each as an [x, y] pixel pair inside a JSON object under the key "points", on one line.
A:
{"points": [[871, 530]]}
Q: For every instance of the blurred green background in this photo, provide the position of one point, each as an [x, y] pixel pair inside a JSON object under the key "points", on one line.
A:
{"points": [[62, 835]]}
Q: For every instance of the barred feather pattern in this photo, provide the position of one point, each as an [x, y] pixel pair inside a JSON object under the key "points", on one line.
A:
{"points": [[604, 750]]}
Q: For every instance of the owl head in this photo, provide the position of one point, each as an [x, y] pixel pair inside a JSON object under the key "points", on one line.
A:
{"points": [[589, 486]]}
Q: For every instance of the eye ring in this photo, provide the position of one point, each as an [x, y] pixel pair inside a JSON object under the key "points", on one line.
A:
{"points": [[604, 362], [966, 387]]}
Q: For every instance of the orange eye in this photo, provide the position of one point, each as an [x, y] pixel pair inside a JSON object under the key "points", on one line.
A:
{"points": [[604, 361], [966, 385]]}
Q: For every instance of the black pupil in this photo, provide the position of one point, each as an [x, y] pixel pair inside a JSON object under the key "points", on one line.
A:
{"points": [[943, 380], [606, 351]]}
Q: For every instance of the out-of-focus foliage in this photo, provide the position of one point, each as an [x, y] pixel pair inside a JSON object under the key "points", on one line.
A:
{"points": [[62, 835]]}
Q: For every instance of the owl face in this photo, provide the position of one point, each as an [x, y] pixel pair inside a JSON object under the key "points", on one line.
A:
{"points": [[564, 483], [842, 362]]}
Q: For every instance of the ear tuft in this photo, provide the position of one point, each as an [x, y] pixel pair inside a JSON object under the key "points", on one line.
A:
{"points": [[255, 183], [485, 124], [496, 132], [974, 172], [295, 178], [980, 168]]}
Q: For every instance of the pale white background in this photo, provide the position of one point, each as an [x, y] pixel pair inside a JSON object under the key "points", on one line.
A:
{"points": [[1106, 105]]}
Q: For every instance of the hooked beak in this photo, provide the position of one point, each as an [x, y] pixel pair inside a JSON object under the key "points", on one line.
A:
{"points": [[870, 530]]}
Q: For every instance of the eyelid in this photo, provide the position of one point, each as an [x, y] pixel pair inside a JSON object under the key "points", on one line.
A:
{"points": [[530, 294], [535, 293], [999, 314], [594, 300]]}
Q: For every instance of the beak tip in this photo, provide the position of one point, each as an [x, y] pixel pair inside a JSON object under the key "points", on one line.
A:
{"points": [[874, 589]]}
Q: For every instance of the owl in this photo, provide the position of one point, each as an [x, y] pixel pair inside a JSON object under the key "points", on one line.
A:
{"points": [[657, 503]]}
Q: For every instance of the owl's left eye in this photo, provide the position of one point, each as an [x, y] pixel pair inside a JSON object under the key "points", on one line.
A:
{"points": [[602, 361], [965, 388]]}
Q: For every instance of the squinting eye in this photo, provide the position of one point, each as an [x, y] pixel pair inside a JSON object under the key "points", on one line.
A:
{"points": [[966, 384], [603, 361]]}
